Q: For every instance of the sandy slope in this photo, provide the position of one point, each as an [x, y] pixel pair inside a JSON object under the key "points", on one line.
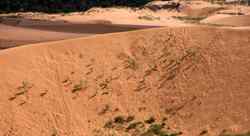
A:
{"points": [[195, 78], [25, 28], [11, 36], [25, 31], [126, 16], [229, 20]]}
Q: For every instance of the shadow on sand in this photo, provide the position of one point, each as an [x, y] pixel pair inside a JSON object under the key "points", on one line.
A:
{"points": [[67, 27]]}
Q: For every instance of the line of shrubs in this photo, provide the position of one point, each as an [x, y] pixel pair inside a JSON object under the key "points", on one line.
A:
{"points": [[52, 6]]}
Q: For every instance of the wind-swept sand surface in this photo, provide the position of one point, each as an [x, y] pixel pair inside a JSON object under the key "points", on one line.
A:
{"points": [[25, 28], [194, 79], [11, 36], [18, 31], [229, 20]]}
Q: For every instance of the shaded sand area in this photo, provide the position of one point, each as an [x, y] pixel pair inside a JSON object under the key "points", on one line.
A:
{"points": [[25, 28], [14, 32], [194, 80], [11, 36]]}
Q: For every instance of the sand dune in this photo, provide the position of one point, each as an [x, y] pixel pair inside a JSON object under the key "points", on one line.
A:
{"points": [[229, 20], [21, 31], [193, 79], [11, 36]]}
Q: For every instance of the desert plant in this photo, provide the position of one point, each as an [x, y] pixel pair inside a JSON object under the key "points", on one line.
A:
{"points": [[63, 5], [150, 120], [149, 18], [130, 118], [130, 126], [108, 124], [134, 125], [157, 129], [79, 87], [119, 120], [131, 63], [128, 61], [190, 19], [104, 84], [107, 3], [203, 132], [24, 88]]}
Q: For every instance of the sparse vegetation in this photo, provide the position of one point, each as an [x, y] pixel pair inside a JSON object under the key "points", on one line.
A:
{"points": [[141, 86], [128, 61], [216, 25], [203, 132], [190, 19], [104, 84], [12, 98], [44, 93], [150, 120], [23, 89], [109, 124], [130, 118], [121, 125], [133, 125], [63, 5], [154, 129], [119, 120], [108, 3], [54, 132], [79, 87], [149, 17], [65, 81]]}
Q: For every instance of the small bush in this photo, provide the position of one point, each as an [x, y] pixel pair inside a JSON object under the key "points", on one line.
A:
{"points": [[130, 118], [63, 5], [109, 124], [119, 120], [108, 3], [79, 87], [150, 120], [189, 19], [155, 128], [133, 125], [131, 63], [149, 18]]}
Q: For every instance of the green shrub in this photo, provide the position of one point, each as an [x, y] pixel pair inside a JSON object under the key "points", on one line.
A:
{"points": [[119, 120], [107, 3], [134, 125], [63, 5], [150, 120]]}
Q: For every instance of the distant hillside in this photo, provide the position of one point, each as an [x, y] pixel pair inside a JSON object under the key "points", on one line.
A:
{"points": [[63, 5]]}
